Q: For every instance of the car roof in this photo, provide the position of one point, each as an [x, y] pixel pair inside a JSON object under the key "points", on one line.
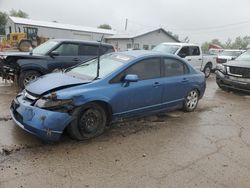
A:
{"points": [[144, 53], [81, 41]]}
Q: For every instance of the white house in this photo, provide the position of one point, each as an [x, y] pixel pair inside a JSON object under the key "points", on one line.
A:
{"points": [[143, 40], [57, 30]]}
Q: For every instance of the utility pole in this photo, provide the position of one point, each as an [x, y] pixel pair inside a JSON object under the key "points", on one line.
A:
{"points": [[126, 24]]}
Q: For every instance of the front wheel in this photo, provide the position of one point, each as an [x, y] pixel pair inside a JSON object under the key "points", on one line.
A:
{"points": [[207, 71], [26, 77], [191, 101], [89, 122]]}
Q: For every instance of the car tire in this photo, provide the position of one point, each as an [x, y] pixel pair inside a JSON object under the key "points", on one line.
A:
{"points": [[207, 70], [26, 77], [191, 101], [89, 122]]}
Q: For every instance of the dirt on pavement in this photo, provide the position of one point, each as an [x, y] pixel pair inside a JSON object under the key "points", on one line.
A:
{"points": [[206, 148]]}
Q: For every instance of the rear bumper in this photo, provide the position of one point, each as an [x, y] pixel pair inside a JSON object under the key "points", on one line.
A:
{"points": [[231, 82], [45, 124]]}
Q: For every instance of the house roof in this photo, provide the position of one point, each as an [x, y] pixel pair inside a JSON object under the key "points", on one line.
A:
{"points": [[56, 25], [132, 35]]}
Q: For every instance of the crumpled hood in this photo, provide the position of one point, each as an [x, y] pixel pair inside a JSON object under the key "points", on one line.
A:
{"points": [[14, 53], [53, 82], [19, 55], [245, 64]]}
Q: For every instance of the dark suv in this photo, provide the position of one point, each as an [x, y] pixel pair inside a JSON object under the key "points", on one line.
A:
{"points": [[54, 55], [235, 74]]}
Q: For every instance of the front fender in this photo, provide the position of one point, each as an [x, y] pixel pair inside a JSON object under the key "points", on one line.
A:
{"points": [[39, 65]]}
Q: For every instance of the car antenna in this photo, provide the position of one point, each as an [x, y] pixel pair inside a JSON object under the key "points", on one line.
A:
{"points": [[98, 58]]}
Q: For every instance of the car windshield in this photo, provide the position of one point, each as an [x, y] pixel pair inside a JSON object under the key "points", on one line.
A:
{"points": [[108, 64], [166, 48], [244, 57], [44, 48], [230, 53]]}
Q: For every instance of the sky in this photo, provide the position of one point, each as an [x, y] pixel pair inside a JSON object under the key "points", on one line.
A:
{"points": [[200, 20]]}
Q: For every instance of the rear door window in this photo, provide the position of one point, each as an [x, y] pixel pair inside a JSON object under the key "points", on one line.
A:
{"points": [[173, 67], [88, 50], [194, 50]]}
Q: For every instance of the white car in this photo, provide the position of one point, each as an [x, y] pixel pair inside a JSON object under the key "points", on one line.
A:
{"points": [[192, 53], [228, 55]]}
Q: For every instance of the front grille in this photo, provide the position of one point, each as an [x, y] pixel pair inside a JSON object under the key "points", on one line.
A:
{"points": [[244, 72]]}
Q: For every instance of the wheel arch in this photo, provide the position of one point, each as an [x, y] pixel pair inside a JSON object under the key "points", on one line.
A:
{"points": [[210, 64], [104, 104]]}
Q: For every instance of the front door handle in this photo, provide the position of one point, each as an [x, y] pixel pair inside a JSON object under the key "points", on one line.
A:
{"points": [[184, 80], [189, 59], [156, 84]]}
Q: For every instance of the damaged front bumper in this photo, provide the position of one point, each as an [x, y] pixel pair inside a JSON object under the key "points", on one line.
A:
{"points": [[7, 72], [47, 125], [232, 82]]}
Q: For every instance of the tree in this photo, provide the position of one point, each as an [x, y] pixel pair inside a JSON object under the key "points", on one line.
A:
{"points": [[18, 13], [217, 41], [205, 47], [3, 21], [105, 26], [228, 43]]}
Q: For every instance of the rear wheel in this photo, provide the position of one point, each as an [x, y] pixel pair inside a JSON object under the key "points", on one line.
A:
{"points": [[26, 77], [207, 70], [90, 121], [191, 101]]}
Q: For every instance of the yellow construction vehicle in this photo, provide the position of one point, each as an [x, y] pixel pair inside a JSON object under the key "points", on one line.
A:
{"points": [[24, 41]]}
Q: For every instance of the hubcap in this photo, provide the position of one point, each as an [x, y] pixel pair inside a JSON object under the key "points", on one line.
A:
{"points": [[192, 100], [89, 121], [28, 79]]}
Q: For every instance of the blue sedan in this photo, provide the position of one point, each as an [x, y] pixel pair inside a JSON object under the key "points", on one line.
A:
{"points": [[84, 99]]}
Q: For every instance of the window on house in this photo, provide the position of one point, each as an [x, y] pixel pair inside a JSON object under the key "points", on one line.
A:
{"points": [[145, 47], [136, 46], [129, 46]]}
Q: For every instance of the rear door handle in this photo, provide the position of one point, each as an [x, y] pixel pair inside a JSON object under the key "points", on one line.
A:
{"points": [[156, 84]]}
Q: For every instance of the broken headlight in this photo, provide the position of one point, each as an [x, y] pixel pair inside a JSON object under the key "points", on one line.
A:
{"points": [[221, 68], [52, 103]]}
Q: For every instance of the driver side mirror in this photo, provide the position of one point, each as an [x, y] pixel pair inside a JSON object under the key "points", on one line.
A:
{"points": [[131, 78], [54, 53], [182, 55]]}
